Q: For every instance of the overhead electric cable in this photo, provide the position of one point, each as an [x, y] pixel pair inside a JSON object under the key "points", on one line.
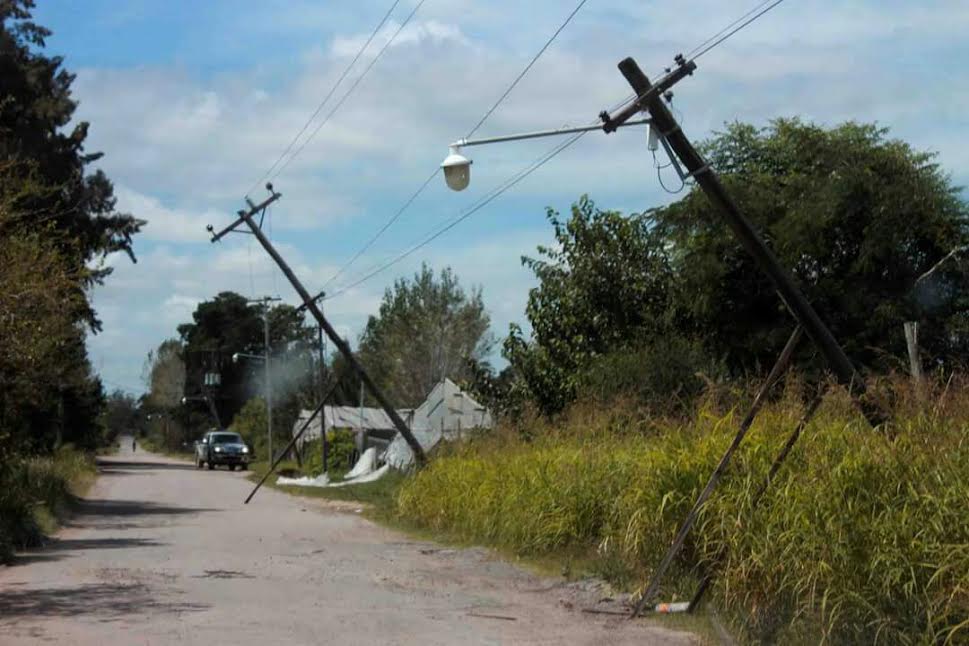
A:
{"points": [[522, 74], [726, 28], [329, 94], [736, 29], [698, 51], [347, 94], [382, 229]]}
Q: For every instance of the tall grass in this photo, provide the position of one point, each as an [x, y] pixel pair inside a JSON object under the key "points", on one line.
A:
{"points": [[862, 538], [35, 490]]}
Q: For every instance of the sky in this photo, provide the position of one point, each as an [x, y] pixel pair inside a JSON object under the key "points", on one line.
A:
{"points": [[193, 102]]}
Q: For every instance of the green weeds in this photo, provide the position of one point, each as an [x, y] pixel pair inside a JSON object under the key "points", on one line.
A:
{"points": [[862, 538]]}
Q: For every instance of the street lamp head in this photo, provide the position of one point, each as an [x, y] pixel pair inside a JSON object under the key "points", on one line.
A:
{"points": [[457, 169], [235, 357], [184, 400]]}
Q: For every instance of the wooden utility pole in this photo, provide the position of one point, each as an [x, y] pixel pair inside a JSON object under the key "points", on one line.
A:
{"points": [[246, 216], [649, 98]]}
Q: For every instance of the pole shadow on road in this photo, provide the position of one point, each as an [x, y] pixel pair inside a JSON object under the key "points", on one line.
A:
{"points": [[113, 466], [106, 601]]}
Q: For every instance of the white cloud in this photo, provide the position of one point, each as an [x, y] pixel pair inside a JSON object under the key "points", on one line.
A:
{"points": [[414, 33]]}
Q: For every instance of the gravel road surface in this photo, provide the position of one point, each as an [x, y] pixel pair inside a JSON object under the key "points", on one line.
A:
{"points": [[161, 553]]}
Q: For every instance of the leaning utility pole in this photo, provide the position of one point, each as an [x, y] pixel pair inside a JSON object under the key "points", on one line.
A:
{"points": [[265, 301], [649, 99], [247, 216]]}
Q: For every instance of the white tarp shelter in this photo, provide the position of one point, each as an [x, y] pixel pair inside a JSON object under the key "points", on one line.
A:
{"points": [[447, 413]]}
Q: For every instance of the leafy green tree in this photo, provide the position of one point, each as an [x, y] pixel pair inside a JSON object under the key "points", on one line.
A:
{"points": [[57, 219], [605, 285], [855, 216], [36, 109], [122, 415], [227, 325], [427, 329]]}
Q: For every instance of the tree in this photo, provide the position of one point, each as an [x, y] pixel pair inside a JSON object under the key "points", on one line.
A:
{"points": [[856, 217], [605, 285], [36, 108], [427, 329], [122, 415], [227, 325], [56, 220]]}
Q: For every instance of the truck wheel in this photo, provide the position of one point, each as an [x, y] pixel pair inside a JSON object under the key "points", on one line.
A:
{"points": [[243, 466], [232, 467], [210, 465]]}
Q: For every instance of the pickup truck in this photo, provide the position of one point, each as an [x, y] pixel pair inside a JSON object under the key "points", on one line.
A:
{"points": [[222, 447]]}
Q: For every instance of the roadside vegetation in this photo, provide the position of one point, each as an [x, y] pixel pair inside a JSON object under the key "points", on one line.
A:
{"points": [[58, 224], [863, 536], [36, 493]]}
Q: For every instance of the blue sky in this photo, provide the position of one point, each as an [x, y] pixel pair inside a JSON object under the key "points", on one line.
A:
{"points": [[192, 102]]}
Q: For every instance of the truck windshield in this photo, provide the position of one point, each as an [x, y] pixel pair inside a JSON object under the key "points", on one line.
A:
{"points": [[226, 438]]}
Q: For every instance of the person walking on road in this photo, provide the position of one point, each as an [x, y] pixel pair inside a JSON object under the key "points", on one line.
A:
{"points": [[133, 446]]}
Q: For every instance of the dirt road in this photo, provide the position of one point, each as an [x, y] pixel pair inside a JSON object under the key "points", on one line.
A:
{"points": [[162, 553]]}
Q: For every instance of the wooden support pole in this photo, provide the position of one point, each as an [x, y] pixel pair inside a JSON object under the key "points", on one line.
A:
{"points": [[756, 498], [780, 366]]}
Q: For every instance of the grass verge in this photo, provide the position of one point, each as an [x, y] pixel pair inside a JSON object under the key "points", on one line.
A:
{"points": [[36, 494], [863, 537]]}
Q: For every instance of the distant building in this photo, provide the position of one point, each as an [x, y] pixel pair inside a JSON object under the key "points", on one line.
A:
{"points": [[446, 413]]}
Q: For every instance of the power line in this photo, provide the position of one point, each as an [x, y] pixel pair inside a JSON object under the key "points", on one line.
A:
{"points": [[700, 50], [329, 94], [736, 29], [356, 82], [522, 74], [725, 29], [480, 122], [382, 229]]}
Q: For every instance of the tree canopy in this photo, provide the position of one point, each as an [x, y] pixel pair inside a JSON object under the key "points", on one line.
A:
{"points": [[856, 216], [427, 329], [57, 218]]}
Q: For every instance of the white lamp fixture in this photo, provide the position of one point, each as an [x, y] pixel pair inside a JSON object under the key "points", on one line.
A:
{"points": [[457, 169]]}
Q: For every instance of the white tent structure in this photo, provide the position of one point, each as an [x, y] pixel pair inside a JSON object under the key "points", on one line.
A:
{"points": [[448, 412], [445, 414]]}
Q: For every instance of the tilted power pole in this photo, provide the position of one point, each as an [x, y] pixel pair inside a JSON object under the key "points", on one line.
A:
{"points": [[247, 216], [649, 99]]}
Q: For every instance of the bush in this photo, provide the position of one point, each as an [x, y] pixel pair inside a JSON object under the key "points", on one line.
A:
{"points": [[862, 537], [666, 375], [28, 485], [341, 451]]}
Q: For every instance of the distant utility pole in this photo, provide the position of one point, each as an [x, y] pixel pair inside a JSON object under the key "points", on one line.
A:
{"points": [[265, 301], [247, 216], [321, 376]]}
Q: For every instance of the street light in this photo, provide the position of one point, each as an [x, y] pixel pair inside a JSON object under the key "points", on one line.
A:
{"points": [[457, 167]]}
